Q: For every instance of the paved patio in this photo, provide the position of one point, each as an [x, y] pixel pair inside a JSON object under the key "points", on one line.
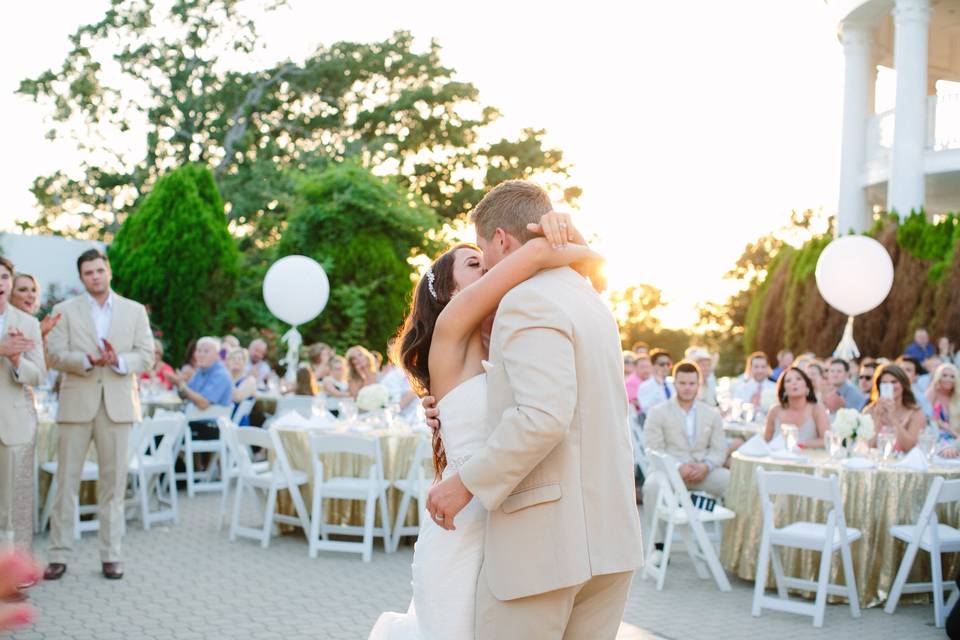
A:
{"points": [[190, 582]]}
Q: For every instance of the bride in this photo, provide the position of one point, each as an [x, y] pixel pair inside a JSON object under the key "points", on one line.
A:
{"points": [[442, 346]]}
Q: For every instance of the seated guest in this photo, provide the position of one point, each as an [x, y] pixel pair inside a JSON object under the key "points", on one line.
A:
{"points": [[704, 361], [691, 432], [642, 370], [244, 385], [929, 366], [306, 382], [640, 347], [944, 399], [784, 360], [320, 354], [755, 380], [227, 344], [912, 368], [868, 366], [797, 405], [921, 348], [945, 348], [210, 385], [258, 366], [396, 382], [821, 385], [189, 366], [628, 361], [161, 373], [335, 385], [839, 377], [656, 389], [898, 414], [363, 369]]}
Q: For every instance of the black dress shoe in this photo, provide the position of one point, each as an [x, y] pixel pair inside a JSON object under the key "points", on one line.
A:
{"points": [[112, 570], [54, 571]]}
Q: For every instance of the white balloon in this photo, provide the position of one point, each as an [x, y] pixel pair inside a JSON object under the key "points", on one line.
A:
{"points": [[854, 274], [296, 289]]}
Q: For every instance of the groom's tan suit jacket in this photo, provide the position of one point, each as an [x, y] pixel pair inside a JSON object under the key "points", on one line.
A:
{"points": [[82, 388], [556, 473]]}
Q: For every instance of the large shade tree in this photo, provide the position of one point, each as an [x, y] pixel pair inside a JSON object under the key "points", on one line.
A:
{"points": [[173, 82], [175, 255]]}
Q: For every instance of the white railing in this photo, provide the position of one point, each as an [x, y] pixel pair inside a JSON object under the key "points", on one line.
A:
{"points": [[943, 127]]}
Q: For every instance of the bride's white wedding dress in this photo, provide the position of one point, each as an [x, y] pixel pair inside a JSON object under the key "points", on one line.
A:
{"points": [[446, 563]]}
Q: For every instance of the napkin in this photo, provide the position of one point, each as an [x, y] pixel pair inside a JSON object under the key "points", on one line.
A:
{"points": [[323, 422], [792, 456], [756, 447], [778, 443], [360, 428], [292, 420], [914, 461], [166, 413], [857, 463], [947, 462], [421, 427]]}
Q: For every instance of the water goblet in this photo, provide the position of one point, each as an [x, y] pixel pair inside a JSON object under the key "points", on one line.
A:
{"points": [[789, 432]]}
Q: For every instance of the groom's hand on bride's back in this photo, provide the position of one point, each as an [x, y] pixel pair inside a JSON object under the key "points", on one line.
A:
{"points": [[431, 412]]}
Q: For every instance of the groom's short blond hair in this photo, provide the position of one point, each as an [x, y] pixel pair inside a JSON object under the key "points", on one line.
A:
{"points": [[510, 206]]}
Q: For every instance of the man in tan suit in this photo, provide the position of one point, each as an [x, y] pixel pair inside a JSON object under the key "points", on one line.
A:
{"points": [[690, 431], [102, 343], [21, 365], [556, 475]]}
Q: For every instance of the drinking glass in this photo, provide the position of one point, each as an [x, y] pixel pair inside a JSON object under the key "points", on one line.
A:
{"points": [[348, 410], [886, 442], [748, 412], [928, 444], [834, 445], [789, 432]]}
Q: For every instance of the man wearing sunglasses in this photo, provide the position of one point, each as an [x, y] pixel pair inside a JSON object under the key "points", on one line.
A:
{"points": [[657, 388]]}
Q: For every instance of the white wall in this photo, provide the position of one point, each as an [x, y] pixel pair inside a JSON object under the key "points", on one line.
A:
{"points": [[52, 259]]}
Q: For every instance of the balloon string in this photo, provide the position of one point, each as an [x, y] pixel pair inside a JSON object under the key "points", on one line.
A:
{"points": [[847, 349]]}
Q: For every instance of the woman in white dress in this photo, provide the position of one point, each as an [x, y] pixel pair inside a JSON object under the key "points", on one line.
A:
{"points": [[442, 346]]}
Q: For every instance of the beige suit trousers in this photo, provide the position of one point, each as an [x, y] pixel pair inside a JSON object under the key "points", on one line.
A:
{"points": [[8, 482], [589, 611], [112, 441]]}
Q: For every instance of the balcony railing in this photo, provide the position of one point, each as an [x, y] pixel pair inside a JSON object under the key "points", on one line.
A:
{"points": [[942, 131]]}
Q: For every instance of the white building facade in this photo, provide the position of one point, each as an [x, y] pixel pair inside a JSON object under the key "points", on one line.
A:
{"points": [[906, 158]]}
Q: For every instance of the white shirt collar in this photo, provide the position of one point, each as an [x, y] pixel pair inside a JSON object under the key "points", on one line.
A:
{"points": [[107, 306]]}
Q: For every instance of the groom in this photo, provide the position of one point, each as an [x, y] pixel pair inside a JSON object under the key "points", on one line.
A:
{"points": [[556, 473]]}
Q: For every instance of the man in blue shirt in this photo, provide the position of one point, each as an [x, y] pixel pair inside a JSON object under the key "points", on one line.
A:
{"points": [[921, 348], [210, 385]]}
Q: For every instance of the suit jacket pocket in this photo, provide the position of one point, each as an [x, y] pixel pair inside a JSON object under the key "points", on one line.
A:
{"points": [[531, 496]]}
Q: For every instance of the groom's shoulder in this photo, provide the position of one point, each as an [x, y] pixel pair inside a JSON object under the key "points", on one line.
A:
{"points": [[538, 287]]}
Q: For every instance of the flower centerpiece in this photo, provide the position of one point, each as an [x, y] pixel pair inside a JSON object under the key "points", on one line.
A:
{"points": [[373, 397], [853, 426]]}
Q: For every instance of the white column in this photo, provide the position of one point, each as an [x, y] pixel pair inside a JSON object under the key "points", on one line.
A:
{"points": [[852, 210], [905, 190]]}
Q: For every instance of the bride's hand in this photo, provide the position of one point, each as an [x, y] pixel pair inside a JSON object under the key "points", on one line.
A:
{"points": [[558, 229]]}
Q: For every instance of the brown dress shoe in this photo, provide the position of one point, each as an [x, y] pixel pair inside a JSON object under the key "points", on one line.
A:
{"points": [[54, 571], [112, 570]]}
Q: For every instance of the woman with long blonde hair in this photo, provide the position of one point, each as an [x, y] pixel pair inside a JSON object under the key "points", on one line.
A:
{"points": [[945, 400], [363, 368]]}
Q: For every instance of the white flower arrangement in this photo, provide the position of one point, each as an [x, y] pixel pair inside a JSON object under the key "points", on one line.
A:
{"points": [[851, 424], [373, 397]]}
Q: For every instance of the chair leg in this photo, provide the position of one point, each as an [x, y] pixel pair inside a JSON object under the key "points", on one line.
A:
{"points": [[650, 546], [235, 516], [695, 554], [398, 522], [936, 568], [188, 463], [820, 604], [299, 507], [224, 496], [316, 517], [763, 567], [385, 521], [667, 543], [779, 577], [709, 556], [902, 573], [268, 517], [368, 517], [172, 486], [143, 489], [851, 580]]}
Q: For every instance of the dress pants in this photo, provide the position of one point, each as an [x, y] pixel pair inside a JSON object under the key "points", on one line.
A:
{"points": [[8, 480], [112, 442], [589, 611], [715, 484]]}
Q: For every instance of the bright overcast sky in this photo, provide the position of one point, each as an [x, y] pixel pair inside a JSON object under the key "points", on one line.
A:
{"points": [[694, 127]]}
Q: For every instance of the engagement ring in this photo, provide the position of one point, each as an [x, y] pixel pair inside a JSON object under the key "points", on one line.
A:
{"points": [[438, 518]]}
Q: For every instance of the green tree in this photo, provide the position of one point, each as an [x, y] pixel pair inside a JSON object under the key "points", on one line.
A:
{"points": [[172, 77], [175, 255], [363, 229]]}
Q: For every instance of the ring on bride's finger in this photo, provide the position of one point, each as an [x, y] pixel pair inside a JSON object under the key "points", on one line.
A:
{"points": [[438, 517]]}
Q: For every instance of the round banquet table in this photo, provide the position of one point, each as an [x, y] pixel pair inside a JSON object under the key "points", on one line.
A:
{"points": [[397, 449], [874, 500]]}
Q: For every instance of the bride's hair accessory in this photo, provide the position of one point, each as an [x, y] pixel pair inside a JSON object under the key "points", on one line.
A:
{"points": [[430, 280]]}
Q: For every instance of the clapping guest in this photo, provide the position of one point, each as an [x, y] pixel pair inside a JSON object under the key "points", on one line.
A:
{"points": [[657, 388], [363, 369], [944, 398], [244, 384], [258, 366], [161, 373], [797, 405], [896, 411], [21, 366], [335, 385], [26, 297], [320, 354], [101, 345]]}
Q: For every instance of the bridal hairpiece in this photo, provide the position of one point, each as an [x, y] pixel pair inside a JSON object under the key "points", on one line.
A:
{"points": [[430, 279]]}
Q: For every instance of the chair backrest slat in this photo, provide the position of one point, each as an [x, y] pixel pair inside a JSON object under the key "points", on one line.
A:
{"points": [[301, 404], [949, 492], [339, 443]]}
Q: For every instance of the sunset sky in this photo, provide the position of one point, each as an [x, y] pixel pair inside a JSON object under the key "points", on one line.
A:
{"points": [[693, 127]]}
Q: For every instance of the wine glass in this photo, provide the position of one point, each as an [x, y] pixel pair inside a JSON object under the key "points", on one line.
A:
{"points": [[789, 432], [927, 444], [748, 411], [834, 444], [886, 442]]}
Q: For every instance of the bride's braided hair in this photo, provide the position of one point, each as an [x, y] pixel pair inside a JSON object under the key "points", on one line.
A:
{"points": [[430, 296]]}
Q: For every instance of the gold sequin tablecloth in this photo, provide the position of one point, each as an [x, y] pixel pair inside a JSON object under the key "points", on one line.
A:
{"points": [[397, 449], [874, 500]]}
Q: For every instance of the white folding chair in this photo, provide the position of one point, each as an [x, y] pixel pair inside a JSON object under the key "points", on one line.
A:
{"points": [[231, 464], [674, 509], [91, 471], [934, 538], [151, 462], [243, 410], [371, 489], [301, 404], [826, 538], [279, 476], [412, 486], [205, 481]]}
